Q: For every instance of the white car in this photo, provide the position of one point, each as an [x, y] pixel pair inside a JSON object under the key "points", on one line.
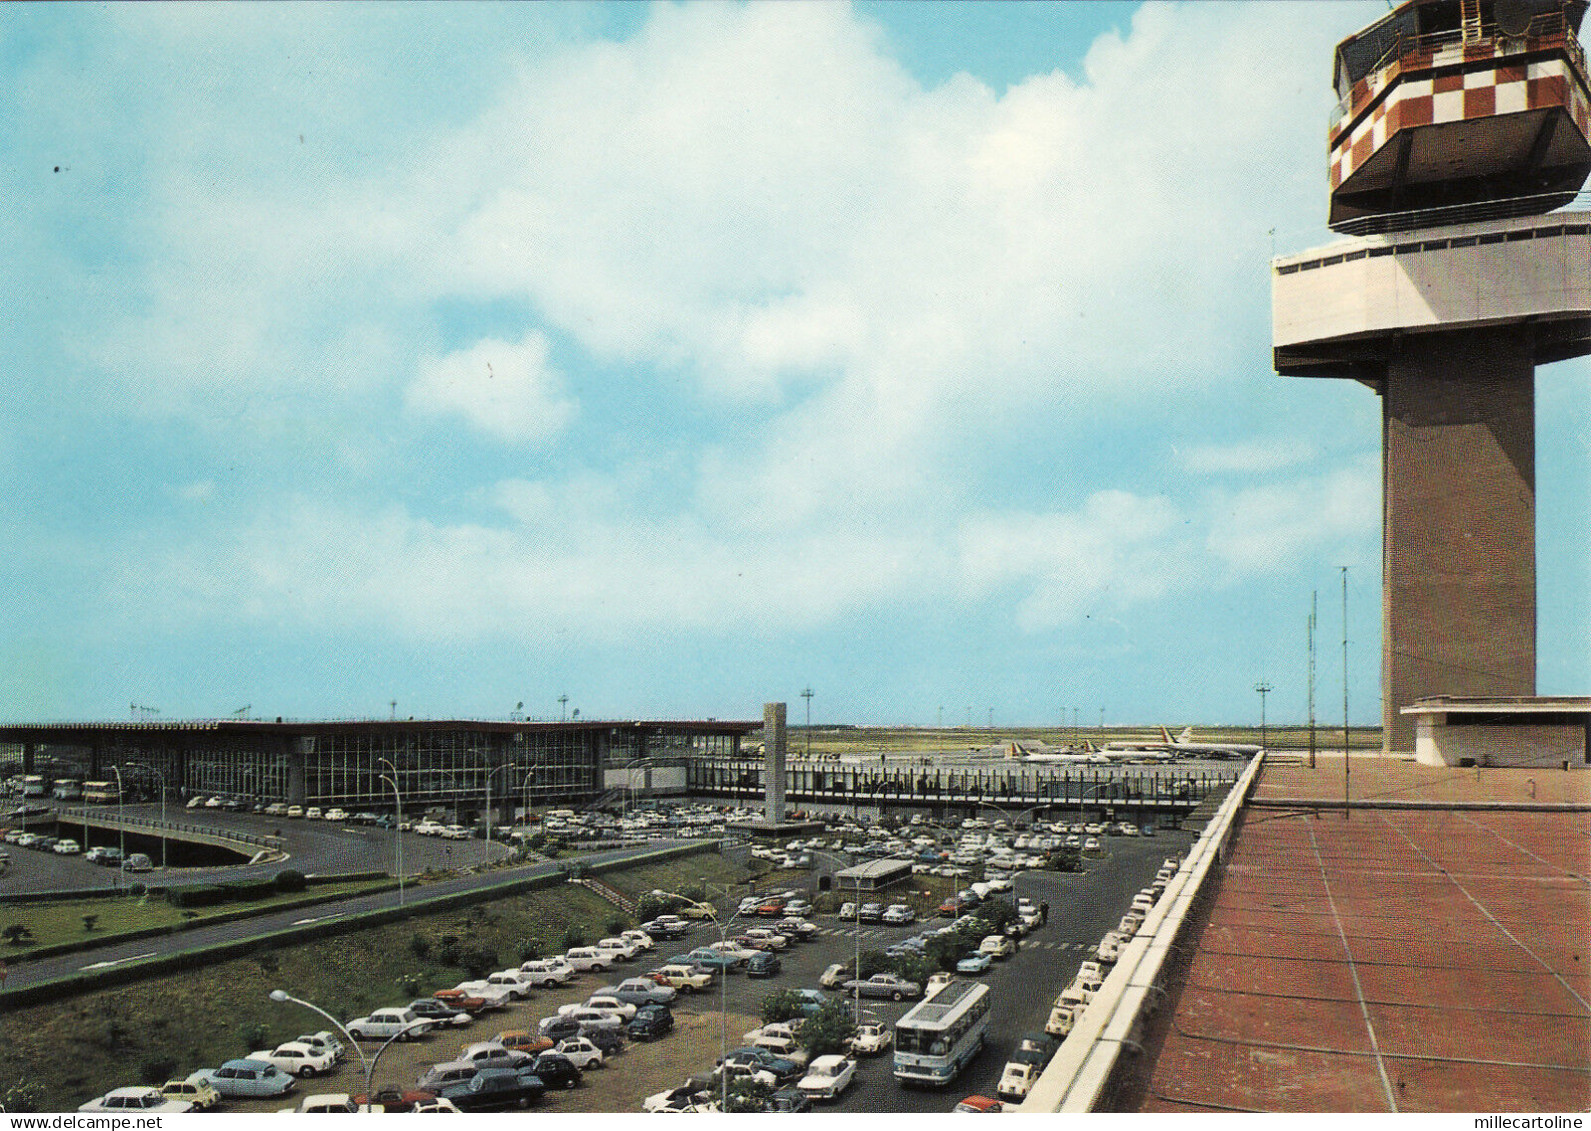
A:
{"points": [[783, 1029], [385, 1023], [455, 832], [297, 1059], [607, 1003], [66, 847], [1016, 1081], [622, 949], [430, 828], [138, 1099], [515, 981], [827, 1077], [847, 910], [313, 813], [937, 981], [332, 1103], [584, 958], [336, 815], [323, 1041], [899, 913], [997, 946], [494, 994], [542, 972], [591, 1018], [641, 939], [580, 1050], [768, 936], [872, 1037]]}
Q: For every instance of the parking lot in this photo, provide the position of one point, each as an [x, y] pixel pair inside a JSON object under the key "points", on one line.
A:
{"points": [[1083, 907]]}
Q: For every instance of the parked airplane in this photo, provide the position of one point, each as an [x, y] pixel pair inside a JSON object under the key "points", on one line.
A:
{"points": [[1184, 745], [1055, 754]]}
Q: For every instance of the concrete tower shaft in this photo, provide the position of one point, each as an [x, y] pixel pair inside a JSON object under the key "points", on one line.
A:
{"points": [[1462, 124]]}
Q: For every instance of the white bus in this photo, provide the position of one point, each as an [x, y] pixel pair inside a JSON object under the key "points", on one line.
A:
{"points": [[34, 786], [101, 793], [941, 1034], [67, 789]]}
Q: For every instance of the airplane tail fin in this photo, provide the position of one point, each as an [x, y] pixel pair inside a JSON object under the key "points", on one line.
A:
{"points": [[1186, 735]]}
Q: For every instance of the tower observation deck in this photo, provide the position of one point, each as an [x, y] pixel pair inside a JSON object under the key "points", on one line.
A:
{"points": [[1463, 125]]}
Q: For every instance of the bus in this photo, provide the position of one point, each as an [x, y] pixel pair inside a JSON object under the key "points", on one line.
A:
{"points": [[100, 793], [67, 789], [34, 785], [941, 1034]]}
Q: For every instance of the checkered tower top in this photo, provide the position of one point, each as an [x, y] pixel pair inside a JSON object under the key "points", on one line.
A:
{"points": [[1459, 110]]}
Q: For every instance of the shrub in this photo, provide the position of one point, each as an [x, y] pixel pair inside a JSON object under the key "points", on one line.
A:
{"points": [[197, 895], [529, 948], [782, 1005], [409, 984], [478, 961], [88, 925], [829, 1030], [253, 1035], [420, 946], [448, 951], [574, 935], [616, 923], [289, 881]]}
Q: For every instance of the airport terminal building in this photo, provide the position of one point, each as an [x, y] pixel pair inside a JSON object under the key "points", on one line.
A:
{"points": [[355, 764]]}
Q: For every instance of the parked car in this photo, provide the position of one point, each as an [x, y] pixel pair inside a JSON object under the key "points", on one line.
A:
{"points": [[622, 949], [495, 1091], [201, 1095], [791, 1101], [892, 986], [431, 1009], [440, 1076], [872, 1037], [242, 1077], [608, 1003], [835, 975], [522, 1040], [462, 1000], [333, 1103], [980, 1104], [796, 928], [297, 1059], [490, 1054], [871, 913], [107, 856], [1016, 1081], [975, 963], [137, 1099], [540, 972], [386, 1023], [676, 1099], [682, 976], [997, 946], [584, 958], [712, 959], [494, 995], [847, 910], [556, 1070], [393, 1099], [66, 846], [556, 1028], [828, 1076], [641, 991], [764, 966], [640, 938], [899, 913], [751, 1059], [138, 862], [588, 1018], [585, 1055], [651, 1022]]}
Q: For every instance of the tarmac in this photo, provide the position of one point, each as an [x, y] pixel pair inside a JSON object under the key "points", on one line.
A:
{"points": [[1389, 959]]}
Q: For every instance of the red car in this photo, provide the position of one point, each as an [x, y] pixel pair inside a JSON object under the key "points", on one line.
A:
{"points": [[772, 909], [396, 1099], [980, 1104], [458, 999]]}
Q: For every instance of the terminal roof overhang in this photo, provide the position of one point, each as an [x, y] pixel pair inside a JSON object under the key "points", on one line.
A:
{"points": [[78, 732]]}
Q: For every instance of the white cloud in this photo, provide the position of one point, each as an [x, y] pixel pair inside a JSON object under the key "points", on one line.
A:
{"points": [[505, 389], [1245, 457]]}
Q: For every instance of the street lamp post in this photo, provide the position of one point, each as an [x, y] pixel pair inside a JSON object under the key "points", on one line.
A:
{"points": [[1264, 689], [489, 774], [283, 996], [397, 821], [723, 983], [162, 777], [121, 821]]}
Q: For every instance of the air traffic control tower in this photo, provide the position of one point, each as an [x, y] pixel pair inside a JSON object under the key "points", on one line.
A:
{"points": [[1462, 126]]}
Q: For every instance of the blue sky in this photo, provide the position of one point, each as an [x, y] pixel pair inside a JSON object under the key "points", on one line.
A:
{"points": [[678, 358]]}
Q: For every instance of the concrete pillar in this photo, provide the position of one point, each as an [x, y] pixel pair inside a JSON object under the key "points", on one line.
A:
{"points": [[1459, 523], [776, 738]]}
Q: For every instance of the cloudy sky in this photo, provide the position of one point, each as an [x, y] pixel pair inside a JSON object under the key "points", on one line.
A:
{"points": [[678, 358]]}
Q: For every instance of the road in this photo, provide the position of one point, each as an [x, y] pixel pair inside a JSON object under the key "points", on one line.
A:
{"points": [[25, 972]]}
